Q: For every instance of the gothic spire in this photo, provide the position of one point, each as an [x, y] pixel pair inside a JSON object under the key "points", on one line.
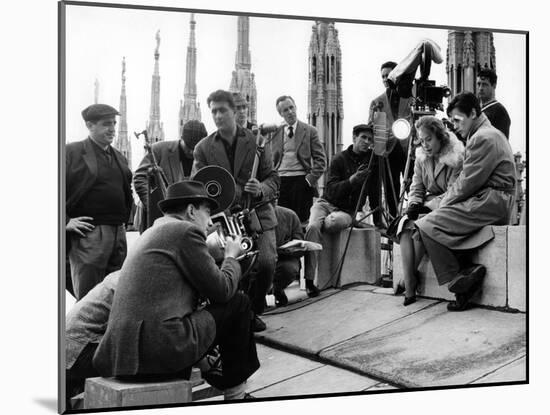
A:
{"points": [[242, 80], [122, 142], [242, 57], [189, 108], [154, 126]]}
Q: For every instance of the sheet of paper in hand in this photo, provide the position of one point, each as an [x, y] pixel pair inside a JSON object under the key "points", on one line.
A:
{"points": [[304, 245]]}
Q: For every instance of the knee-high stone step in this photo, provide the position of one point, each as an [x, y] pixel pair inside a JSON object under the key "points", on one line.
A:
{"points": [[505, 284]]}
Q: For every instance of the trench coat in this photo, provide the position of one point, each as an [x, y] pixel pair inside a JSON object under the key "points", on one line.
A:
{"points": [[481, 195], [432, 178], [167, 155], [210, 151], [155, 326]]}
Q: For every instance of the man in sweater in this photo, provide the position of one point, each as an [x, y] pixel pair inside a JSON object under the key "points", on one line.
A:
{"points": [[493, 110]]}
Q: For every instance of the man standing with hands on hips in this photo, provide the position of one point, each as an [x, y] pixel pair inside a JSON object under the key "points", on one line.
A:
{"points": [[98, 201]]}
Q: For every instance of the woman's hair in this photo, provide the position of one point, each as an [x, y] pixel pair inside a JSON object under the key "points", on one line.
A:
{"points": [[435, 126]]}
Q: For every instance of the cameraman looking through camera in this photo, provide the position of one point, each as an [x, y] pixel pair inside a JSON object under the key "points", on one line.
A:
{"points": [[234, 148]]}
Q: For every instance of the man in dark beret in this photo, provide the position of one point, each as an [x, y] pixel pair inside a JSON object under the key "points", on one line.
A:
{"points": [[174, 157], [98, 201]]}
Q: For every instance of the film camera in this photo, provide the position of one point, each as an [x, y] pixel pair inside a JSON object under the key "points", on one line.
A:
{"points": [[220, 185], [428, 96]]}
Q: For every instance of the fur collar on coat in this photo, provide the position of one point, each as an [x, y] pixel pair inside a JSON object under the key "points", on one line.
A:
{"points": [[451, 155]]}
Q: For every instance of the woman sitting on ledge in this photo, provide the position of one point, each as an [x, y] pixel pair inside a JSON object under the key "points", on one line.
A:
{"points": [[438, 163]]}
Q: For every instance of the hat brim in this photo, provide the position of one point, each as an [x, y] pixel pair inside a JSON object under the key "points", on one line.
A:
{"points": [[169, 203]]}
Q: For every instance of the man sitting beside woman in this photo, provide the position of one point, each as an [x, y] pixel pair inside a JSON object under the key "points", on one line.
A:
{"points": [[481, 195]]}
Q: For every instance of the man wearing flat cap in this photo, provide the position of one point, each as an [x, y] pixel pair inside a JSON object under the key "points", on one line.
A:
{"points": [[333, 212], [98, 201], [175, 158], [157, 326]]}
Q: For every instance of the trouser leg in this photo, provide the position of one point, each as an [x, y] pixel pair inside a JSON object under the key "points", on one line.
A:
{"points": [[296, 194], [318, 213], [286, 271], [236, 341], [89, 257], [81, 370], [264, 270], [444, 261], [120, 249]]}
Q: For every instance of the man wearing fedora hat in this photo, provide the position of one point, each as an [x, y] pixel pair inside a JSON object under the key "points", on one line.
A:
{"points": [[158, 326], [234, 148], [98, 201], [174, 157]]}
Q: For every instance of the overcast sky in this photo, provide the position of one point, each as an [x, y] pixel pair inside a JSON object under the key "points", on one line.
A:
{"points": [[98, 38]]}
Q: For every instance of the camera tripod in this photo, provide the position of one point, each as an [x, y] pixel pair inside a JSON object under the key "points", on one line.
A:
{"points": [[385, 187]]}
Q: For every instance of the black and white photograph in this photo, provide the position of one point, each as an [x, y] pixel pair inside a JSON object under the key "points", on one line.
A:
{"points": [[280, 208], [267, 206]]}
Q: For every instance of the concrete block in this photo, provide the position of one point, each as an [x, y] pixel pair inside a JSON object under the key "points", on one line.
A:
{"points": [[493, 256], [113, 393], [362, 261], [517, 267], [427, 284]]}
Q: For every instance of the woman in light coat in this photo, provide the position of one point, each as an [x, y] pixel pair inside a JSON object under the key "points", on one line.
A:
{"points": [[438, 163]]}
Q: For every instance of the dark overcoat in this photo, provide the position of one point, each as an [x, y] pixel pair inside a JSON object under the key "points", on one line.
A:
{"points": [[309, 151], [155, 326], [481, 195], [167, 155], [210, 151], [81, 174]]}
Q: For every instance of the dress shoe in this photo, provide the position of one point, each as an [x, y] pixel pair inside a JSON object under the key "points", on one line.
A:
{"points": [[258, 324], [409, 300], [311, 289], [459, 304], [280, 297], [466, 279]]}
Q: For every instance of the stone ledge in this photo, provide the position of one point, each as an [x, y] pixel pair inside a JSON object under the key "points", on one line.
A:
{"points": [[504, 257], [362, 261], [114, 393]]}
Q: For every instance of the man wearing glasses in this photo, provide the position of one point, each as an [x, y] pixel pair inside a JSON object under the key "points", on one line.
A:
{"points": [[481, 195]]}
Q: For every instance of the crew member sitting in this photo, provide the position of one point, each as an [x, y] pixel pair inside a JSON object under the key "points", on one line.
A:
{"points": [[332, 213], [481, 195], [157, 326], [288, 263]]}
